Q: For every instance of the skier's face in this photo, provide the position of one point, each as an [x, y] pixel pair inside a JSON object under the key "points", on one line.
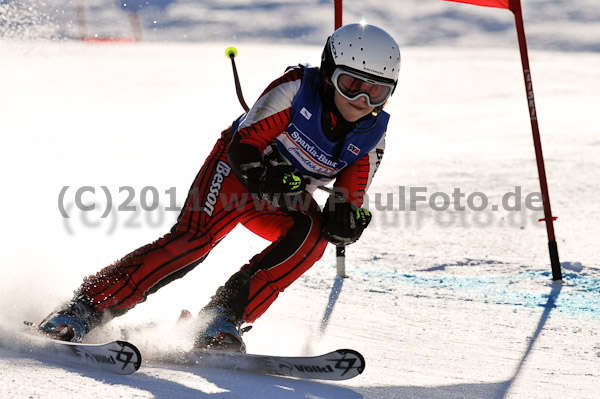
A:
{"points": [[351, 110]]}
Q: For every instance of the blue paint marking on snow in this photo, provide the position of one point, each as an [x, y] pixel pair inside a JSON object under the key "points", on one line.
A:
{"points": [[579, 295]]}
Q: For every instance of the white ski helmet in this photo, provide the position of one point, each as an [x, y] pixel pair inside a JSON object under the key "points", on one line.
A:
{"points": [[363, 49]]}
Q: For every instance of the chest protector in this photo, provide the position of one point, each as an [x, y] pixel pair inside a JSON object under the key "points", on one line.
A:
{"points": [[304, 144]]}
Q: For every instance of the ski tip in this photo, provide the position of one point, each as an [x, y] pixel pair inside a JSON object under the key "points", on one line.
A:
{"points": [[127, 358], [352, 356]]}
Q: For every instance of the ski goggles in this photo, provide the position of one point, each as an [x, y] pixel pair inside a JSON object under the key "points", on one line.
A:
{"points": [[352, 86]]}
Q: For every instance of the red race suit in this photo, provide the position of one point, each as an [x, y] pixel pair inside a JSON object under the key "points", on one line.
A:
{"points": [[218, 201]]}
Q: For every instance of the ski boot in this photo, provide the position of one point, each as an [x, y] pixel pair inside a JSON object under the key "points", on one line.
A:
{"points": [[221, 331], [71, 323]]}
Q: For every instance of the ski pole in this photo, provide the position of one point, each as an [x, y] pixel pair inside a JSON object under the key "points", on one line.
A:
{"points": [[231, 53], [340, 250]]}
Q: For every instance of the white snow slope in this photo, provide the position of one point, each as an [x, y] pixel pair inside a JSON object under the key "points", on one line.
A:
{"points": [[442, 303]]}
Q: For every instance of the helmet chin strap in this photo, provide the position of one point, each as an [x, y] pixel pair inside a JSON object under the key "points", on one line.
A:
{"points": [[332, 128]]}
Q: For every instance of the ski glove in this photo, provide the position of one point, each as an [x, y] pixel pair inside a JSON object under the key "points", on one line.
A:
{"points": [[344, 222], [280, 185]]}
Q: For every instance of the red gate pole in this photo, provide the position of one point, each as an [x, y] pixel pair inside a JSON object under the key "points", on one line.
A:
{"points": [[338, 14], [515, 7], [81, 19], [340, 250]]}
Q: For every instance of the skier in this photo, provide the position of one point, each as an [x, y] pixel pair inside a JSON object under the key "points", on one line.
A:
{"points": [[309, 127]]}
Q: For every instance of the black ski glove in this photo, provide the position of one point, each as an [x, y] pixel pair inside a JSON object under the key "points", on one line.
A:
{"points": [[344, 222], [280, 185]]}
